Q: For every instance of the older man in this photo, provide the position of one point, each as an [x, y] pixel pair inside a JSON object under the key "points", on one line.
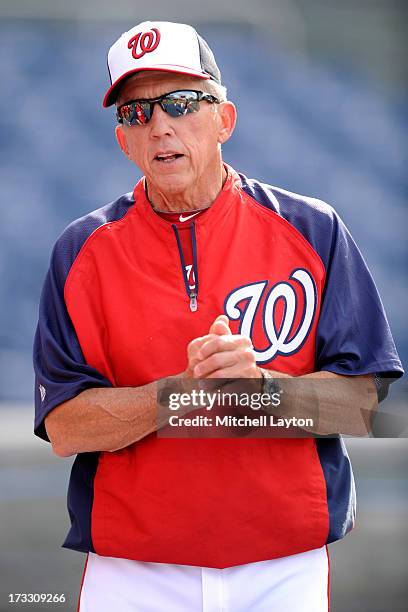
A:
{"points": [[202, 273]]}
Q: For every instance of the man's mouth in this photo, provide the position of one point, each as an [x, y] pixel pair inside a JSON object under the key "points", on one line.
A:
{"points": [[167, 157]]}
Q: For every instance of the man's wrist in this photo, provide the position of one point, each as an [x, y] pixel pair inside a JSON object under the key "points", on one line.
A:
{"points": [[270, 387]]}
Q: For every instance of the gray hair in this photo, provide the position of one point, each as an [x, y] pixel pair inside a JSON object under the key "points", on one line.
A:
{"points": [[215, 89]]}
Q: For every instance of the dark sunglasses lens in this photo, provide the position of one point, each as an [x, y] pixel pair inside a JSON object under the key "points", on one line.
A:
{"points": [[176, 104], [136, 113], [180, 103], [125, 113], [175, 108], [143, 112]]}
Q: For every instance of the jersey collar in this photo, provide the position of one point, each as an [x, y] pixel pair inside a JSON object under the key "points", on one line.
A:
{"points": [[219, 208]]}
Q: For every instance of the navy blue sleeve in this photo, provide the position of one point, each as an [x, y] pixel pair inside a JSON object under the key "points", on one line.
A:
{"points": [[353, 335], [61, 371]]}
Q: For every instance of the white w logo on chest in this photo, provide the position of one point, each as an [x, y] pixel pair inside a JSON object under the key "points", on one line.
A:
{"points": [[278, 338]]}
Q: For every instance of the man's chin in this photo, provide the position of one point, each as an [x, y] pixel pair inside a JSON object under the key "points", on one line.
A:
{"points": [[170, 182]]}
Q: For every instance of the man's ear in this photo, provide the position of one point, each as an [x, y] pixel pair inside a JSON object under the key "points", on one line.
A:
{"points": [[121, 138], [228, 115]]}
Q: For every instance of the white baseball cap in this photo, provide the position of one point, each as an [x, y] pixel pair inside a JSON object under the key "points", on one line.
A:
{"points": [[159, 45]]}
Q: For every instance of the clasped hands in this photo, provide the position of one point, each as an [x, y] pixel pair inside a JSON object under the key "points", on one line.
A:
{"points": [[221, 354]]}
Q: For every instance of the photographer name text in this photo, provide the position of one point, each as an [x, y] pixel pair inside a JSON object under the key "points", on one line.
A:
{"points": [[239, 421]]}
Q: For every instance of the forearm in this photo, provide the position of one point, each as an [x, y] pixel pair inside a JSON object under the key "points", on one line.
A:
{"points": [[336, 404], [104, 419]]}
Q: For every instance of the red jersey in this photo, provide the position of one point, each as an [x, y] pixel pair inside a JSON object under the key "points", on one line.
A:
{"points": [[116, 311]]}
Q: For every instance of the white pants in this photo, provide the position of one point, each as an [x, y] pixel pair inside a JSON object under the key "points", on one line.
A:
{"points": [[298, 583]]}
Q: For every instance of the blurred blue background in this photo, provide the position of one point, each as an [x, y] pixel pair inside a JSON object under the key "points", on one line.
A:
{"points": [[314, 125], [322, 110]]}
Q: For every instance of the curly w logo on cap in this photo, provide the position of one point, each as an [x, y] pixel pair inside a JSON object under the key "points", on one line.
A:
{"points": [[144, 42]]}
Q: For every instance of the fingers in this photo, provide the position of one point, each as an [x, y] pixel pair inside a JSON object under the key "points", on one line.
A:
{"points": [[220, 326], [216, 344], [192, 352], [196, 344], [221, 354], [234, 372], [237, 362]]}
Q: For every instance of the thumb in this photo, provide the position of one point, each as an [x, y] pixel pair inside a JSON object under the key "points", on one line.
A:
{"points": [[220, 326]]}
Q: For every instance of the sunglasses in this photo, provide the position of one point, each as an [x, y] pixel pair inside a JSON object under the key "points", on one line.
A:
{"points": [[174, 103]]}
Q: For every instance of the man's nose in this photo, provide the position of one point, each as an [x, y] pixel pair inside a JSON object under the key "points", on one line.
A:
{"points": [[160, 122]]}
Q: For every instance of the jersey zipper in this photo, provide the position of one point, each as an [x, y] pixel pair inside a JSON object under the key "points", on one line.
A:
{"points": [[192, 294]]}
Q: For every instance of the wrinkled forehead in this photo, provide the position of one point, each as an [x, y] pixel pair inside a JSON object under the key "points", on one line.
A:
{"points": [[153, 83]]}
